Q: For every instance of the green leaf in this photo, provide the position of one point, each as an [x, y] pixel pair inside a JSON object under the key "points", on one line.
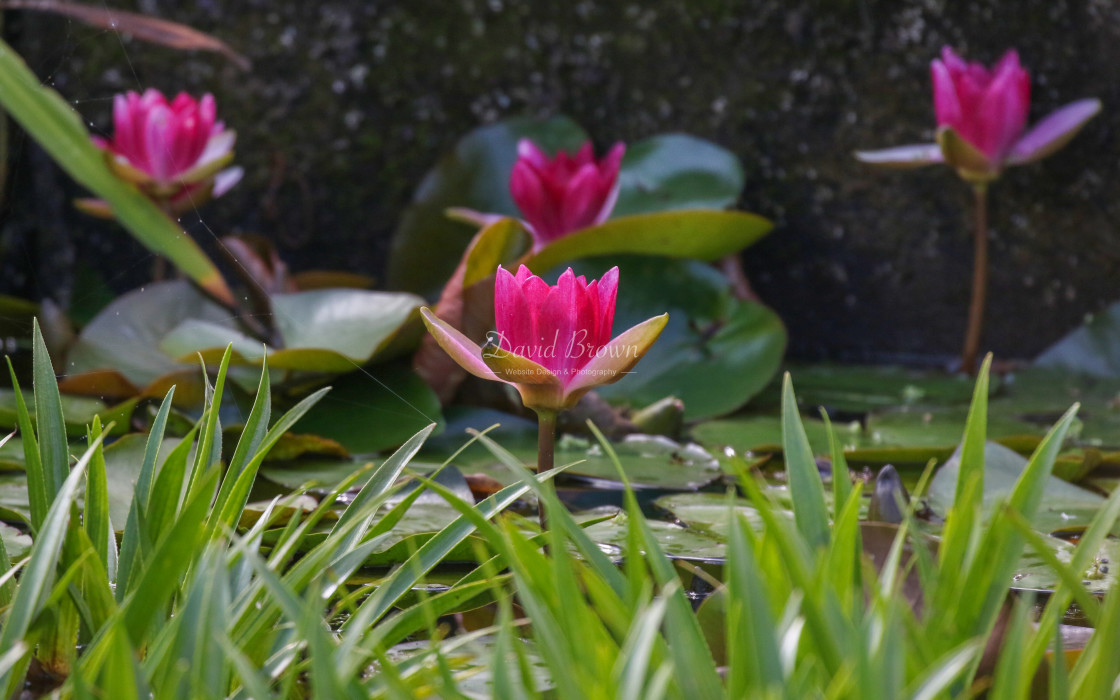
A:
{"points": [[325, 330], [38, 576], [126, 335], [1062, 504], [373, 410], [96, 517], [805, 485], [54, 453], [37, 497], [496, 244], [714, 354], [677, 171], [1094, 348], [699, 234], [427, 245], [49, 119]]}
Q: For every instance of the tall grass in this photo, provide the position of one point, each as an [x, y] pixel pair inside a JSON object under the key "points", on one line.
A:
{"points": [[185, 605]]}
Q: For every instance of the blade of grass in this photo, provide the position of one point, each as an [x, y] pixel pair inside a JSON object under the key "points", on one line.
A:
{"points": [[38, 499], [805, 485], [38, 576]]}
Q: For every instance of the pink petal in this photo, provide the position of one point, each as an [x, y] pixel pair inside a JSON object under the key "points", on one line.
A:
{"points": [[528, 151], [946, 105], [608, 291], [612, 361], [903, 156], [225, 180], [155, 143], [512, 318], [1002, 114], [583, 198], [458, 346], [532, 198], [1054, 131]]}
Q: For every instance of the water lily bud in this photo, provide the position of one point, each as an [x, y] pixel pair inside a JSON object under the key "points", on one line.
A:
{"points": [[981, 121], [173, 151], [566, 193], [552, 342]]}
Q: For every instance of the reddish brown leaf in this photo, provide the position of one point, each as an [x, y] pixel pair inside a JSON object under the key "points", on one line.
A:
{"points": [[143, 27], [109, 385], [330, 279]]}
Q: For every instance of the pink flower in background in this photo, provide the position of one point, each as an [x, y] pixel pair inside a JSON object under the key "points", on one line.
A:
{"points": [[988, 109], [173, 151], [566, 193], [982, 118], [552, 342]]}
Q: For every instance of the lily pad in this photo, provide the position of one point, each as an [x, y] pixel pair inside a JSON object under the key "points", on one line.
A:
{"points": [[126, 335], [471, 659], [427, 245], [863, 388], [15, 541], [698, 234], [373, 410], [327, 330], [677, 541], [1034, 574], [79, 412], [1063, 504], [677, 171], [123, 461], [1094, 348], [716, 351], [13, 498], [650, 462]]}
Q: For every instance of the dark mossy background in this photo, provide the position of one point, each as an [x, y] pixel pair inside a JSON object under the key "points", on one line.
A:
{"points": [[350, 102]]}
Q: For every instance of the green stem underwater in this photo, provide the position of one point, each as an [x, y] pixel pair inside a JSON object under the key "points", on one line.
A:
{"points": [[546, 448], [979, 282]]}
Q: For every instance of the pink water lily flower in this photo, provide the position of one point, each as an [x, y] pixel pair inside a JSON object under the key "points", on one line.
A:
{"points": [[553, 343], [565, 193], [981, 120], [173, 151]]}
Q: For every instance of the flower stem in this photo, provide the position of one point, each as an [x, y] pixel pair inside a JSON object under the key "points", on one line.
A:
{"points": [[979, 281], [546, 448]]}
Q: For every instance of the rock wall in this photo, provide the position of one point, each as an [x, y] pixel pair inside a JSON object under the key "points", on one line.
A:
{"points": [[350, 102]]}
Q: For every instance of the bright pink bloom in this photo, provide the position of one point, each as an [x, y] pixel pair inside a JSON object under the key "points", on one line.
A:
{"points": [[988, 109], [552, 342], [567, 193], [981, 119], [173, 151]]}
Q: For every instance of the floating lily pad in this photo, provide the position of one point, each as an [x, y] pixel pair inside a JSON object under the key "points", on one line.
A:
{"points": [[675, 540], [650, 462], [321, 474], [1094, 348], [15, 541], [715, 353], [1063, 504], [373, 410], [1099, 578], [763, 434], [864, 388], [123, 461], [472, 660], [79, 412], [13, 498]]}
